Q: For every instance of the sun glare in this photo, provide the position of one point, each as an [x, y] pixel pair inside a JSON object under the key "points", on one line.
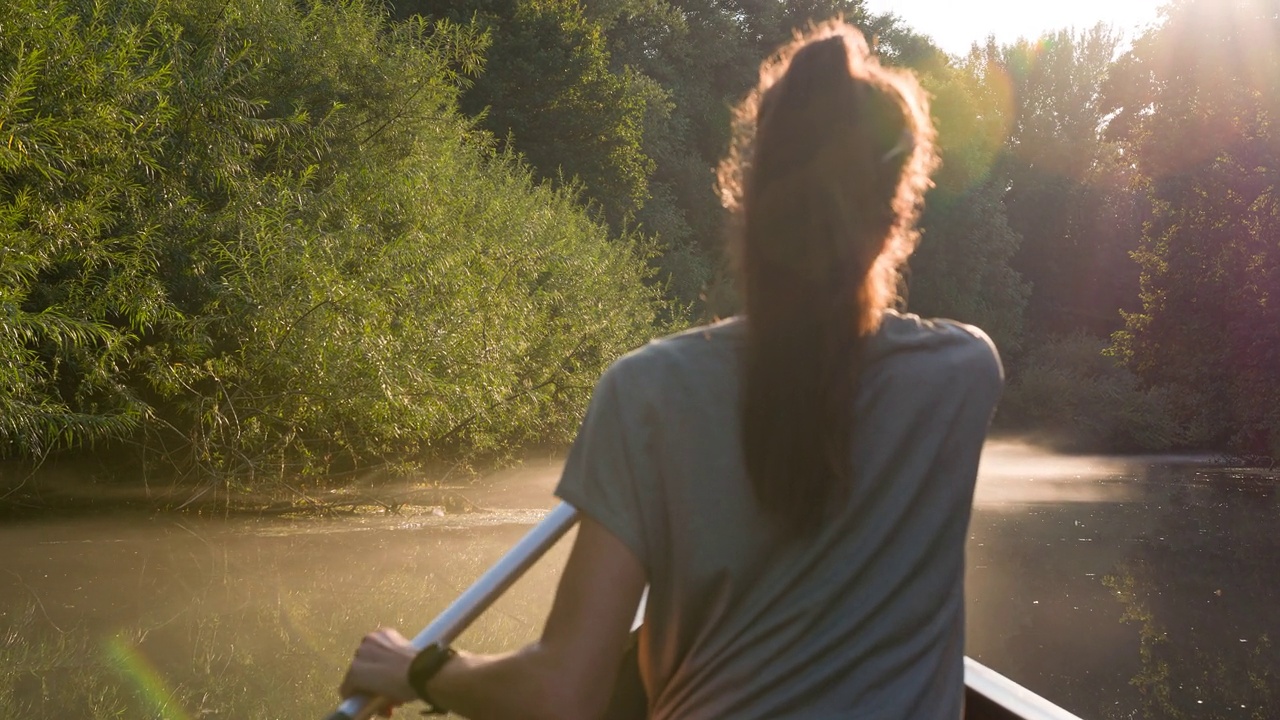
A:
{"points": [[955, 26]]}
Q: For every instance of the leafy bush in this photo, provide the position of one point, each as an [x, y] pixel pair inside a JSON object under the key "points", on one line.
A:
{"points": [[249, 237], [1076, 396]]}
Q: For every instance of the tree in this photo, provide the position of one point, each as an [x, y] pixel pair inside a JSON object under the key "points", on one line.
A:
{"points": [[1195, 105], [248, 239], [549, 90], [1072, 196], [961, 269]]}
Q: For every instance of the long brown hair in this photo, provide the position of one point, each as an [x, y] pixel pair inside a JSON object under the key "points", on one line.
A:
{"points": [[830, 159]]}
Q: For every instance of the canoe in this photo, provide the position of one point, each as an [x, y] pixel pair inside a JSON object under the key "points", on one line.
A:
{"points": [[988, 695]]}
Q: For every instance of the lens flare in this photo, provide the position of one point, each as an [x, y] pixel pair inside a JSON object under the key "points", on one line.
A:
{"points": [[139, 670], [973, 108]]}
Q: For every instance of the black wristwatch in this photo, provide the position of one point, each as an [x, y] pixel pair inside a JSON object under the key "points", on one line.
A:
{"points": [[425, 665]]}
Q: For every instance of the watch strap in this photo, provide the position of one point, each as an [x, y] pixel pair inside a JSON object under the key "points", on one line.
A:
{"points": [[425, 665]]}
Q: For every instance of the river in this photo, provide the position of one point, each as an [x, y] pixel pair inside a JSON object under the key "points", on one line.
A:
{"points": [[1118, 588]]}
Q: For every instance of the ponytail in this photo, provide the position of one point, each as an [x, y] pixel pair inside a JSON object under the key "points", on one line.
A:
{"points": [[830, 159]]}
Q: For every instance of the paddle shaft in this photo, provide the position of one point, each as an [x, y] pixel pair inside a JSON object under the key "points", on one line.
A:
{"points": [[456, 618]]}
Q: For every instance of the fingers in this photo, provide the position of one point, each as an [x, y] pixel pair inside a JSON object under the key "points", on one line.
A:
{"points": [[380, 668], [386, 638]]}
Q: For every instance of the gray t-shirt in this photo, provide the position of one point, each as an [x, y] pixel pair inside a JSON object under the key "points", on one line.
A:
{"points": [[863, 620]]}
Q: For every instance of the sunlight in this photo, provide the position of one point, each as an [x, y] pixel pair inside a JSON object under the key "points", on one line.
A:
{"points": [[1218, 54], [955, 26], [1253, 54]]}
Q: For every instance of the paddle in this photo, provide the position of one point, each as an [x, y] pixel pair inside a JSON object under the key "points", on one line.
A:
{"points": [[456, 618]]}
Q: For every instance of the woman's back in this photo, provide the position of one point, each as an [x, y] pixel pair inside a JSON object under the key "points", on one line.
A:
{"points": [[861, 618], [795, 486]]}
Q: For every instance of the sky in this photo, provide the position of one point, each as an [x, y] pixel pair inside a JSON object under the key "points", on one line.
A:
{"points": [[955, 24]]}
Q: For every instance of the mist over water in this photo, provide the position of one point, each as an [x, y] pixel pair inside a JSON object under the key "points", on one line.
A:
{"points": [[1014, 473], [1086, 576]]}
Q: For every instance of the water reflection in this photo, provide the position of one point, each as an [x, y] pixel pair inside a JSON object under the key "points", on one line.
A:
{"points": [[1205, 607], [1118, 588], [239, 619], [1148, 593]]}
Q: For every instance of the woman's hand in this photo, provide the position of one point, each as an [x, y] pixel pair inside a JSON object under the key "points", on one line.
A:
{"points": [[381, 668], [568, 674]]}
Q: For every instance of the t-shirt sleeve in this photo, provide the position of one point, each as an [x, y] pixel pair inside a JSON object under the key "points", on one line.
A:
{"points": [[988, 370], [604, 477]]}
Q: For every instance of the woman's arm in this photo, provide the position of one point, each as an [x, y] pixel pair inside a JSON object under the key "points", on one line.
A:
{"points": [[569, 673]]}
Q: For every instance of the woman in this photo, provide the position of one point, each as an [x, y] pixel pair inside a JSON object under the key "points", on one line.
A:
{"points": [[794, 486]]}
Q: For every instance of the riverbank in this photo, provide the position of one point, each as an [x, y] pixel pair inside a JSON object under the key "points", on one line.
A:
{"points": [[76, 488]]}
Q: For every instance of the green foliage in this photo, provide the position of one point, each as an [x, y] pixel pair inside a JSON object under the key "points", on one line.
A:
{"points": [[262, 236], [1196, 108], [694, 57], [962, 268], [1076, 397], [548, 89], [78, 134], [246, 238], [559, 90], [1072, 195]]}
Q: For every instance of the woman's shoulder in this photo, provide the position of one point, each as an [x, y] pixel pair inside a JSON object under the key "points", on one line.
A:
{"points": [[727, 330], [686, 346], [909, 328], [712, 349], [947, 342], [682, 356]]}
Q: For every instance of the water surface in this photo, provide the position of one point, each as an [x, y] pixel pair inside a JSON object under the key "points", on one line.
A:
{"points": [[1119, 588]]}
